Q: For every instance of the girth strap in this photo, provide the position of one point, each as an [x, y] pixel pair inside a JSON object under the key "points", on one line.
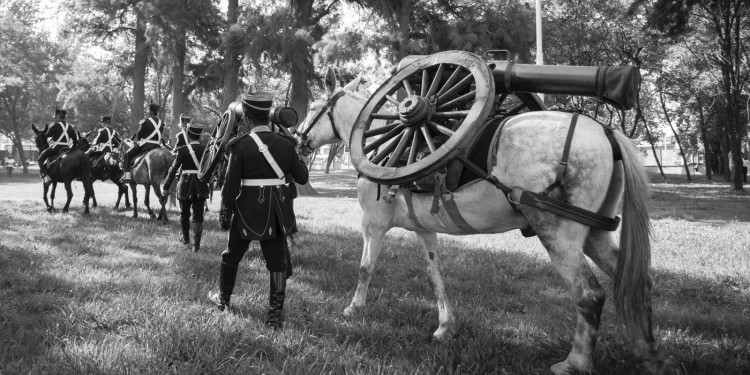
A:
{"points": [[563, 166]]}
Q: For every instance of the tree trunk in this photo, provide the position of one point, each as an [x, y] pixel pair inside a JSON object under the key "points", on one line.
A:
{"points": [[139, 70], [653, 149], [231, 57], [178, 81], [676, 136], [704, 139], [404, 27], [332, 152], [16, 139]]}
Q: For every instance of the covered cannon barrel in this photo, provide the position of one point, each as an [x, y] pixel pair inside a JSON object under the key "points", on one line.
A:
{"points": [[616, 85]]}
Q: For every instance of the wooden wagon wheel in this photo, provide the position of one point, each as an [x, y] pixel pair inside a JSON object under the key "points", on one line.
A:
{"points": [[220, 136], [447, 94]]}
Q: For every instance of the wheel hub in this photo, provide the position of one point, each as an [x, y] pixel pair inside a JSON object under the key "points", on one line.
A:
{"points": [[414, 109]]}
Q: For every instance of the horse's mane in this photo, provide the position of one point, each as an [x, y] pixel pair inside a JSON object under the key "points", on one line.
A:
{"points": [[321, 102]]}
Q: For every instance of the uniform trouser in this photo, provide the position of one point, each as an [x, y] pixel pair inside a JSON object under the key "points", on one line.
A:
{"points": [[133, 152], [197, 206], [273, 251], [46, 154]]}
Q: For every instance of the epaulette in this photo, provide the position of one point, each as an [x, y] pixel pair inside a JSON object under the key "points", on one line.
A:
{"points": [[236, 139]]}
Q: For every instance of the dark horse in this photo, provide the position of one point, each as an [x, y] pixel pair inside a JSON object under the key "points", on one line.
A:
{"points": [[150, 171], [73, 164], [107, 168]]}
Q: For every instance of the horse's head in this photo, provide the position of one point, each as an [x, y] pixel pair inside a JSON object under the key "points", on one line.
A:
{"points": [[330, 120], [41, 137]]}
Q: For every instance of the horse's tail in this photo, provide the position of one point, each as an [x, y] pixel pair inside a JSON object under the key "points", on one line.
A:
{"points": [[632, 281]]}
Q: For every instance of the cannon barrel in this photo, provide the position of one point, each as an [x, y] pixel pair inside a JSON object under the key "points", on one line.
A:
{"points": [[616, 85]]}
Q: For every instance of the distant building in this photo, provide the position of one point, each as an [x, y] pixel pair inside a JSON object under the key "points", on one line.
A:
{"points": [[29, 150]]}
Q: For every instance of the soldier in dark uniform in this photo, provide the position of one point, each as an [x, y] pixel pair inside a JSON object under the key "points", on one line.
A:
{"points": [[61, 136], [257, 202], [148, 137], [181, 137], [191, 191], [107, 139]]}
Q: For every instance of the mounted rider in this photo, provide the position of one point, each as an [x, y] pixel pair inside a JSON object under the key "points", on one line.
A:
{"points": [[107, 139], [149, 136], [257, 203], [61, 137], [181, 136], [191, 191]]}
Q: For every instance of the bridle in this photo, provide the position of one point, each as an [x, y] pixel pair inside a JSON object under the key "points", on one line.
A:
{"points": [[327, 109]]}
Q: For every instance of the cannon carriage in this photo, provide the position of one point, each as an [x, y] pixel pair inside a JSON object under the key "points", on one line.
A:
{"points": [[435, 108]]}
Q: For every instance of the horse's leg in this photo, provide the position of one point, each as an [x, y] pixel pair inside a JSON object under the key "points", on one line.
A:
{"points": [[147, 201], [162, 203], [93, 196], [602, 249], [373, 243], [447, 327], [52, 196], [119, 192], [133, 188], [69, 191], [44, 196], [564, 241]]}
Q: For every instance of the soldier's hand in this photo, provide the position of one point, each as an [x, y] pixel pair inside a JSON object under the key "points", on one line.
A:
{"points": [[225, 220], [164, 193]]}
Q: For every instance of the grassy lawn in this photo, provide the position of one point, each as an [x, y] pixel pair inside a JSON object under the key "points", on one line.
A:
{"points": [[109, 294]]}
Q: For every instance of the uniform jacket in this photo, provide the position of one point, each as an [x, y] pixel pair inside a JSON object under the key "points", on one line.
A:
{"points": [[259, 210], [54, 135], [189, 186], [107, 136], [146, 129]]}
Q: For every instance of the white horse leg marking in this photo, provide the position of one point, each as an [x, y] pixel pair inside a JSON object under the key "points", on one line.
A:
{"points": [[564, 240], [373, 243], [447, 322]]}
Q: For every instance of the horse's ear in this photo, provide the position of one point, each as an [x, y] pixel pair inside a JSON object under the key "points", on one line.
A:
{"points": [[354, 84], [33, 127], [330, 80]]}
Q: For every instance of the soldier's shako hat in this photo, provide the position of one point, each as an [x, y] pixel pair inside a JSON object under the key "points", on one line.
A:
{"points": [[257, 105], [106, 118], [194, 129], [60, 112], [153, 107], [185, 119]]}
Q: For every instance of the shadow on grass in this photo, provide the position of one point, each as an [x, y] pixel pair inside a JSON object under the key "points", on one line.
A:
{"points": [[513, 310], [699, 200]]}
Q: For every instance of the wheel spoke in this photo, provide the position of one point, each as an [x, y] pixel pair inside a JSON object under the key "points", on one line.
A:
{"points": [[387, 150], [407, 87], [384, 116], [441, 128], [427, 138], [378, 142], [380, 130], [392, 100], [451, 80], [452, 114], [414, 148], [436, 81], [425, 80], [461, 100], [458, 87], [400, 148]]}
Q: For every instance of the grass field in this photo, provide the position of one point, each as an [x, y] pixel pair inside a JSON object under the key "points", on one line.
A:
{"points": [[107, 294]]}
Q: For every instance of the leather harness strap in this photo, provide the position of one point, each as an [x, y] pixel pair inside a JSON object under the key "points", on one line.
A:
{"points": [[563, 166], [410, 208], [564, 209], [267, 154]]}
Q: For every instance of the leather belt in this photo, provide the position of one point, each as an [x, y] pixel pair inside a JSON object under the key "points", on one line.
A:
{"points": [[189, 171], [263, 181]]}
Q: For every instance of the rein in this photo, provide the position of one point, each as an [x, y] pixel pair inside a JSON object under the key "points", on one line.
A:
{"points": [[327, 109]]}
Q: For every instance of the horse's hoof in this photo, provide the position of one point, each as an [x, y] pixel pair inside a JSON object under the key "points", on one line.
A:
{"points": [[350, 311], [444, 332], [567, 368]]}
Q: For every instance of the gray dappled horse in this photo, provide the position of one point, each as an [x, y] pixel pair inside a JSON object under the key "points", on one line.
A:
{"points": [[71, 165], [149, 170], [528, 153]]}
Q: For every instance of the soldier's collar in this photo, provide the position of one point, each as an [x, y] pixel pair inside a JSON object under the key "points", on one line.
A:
{"points": [[261, 129]]}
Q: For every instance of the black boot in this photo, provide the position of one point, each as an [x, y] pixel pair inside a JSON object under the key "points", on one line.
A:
{"points": [[197, 234], [185, 231], [276, 298], [227, 278]]}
